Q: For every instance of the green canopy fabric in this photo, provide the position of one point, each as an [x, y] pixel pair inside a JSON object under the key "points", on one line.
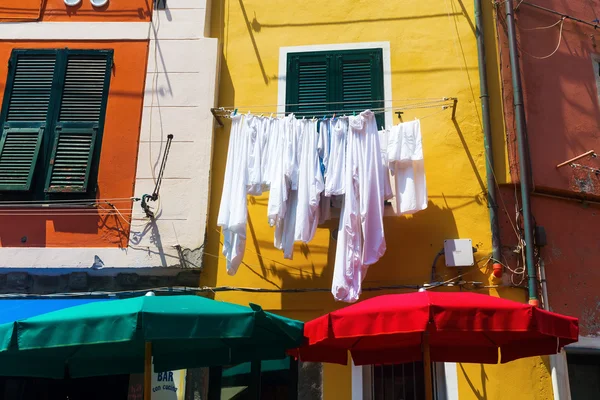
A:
{"points": [[109, 337]]}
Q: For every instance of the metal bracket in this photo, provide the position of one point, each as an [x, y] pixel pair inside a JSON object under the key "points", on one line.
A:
{"points": [[214, 112]]}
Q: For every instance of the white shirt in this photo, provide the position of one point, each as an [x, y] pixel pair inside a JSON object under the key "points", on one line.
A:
{"points": [[233, 209], [361, 239]]}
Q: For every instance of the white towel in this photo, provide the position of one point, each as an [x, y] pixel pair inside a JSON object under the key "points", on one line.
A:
{"points": [[405, 155]]}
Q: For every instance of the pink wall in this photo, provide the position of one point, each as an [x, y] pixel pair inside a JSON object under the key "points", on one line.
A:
{"points": [[563, 121]]}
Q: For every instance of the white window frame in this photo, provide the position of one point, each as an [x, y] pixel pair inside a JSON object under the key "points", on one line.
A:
{"points": [[387, 70]]}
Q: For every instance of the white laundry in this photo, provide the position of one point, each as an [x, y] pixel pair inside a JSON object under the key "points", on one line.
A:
{"points": [[269, 142], [334, 179], [252, 130], [283, 199], [405, 155], [383, 142], [323, 145], [233, 209], [361, 239], [310, 182], [371, 179]]}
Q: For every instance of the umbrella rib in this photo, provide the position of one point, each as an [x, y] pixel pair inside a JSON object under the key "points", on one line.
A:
{"points": [[490, 340], [355, 343]]}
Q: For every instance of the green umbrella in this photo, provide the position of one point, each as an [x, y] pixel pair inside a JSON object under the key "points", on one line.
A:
{"points": [[113, 337]]}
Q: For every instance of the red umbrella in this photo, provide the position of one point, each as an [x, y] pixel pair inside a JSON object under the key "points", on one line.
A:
{"points": [[436, 326]]}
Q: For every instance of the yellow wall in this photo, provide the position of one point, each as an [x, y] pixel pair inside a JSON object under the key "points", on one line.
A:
{"points": [[433, 54]]}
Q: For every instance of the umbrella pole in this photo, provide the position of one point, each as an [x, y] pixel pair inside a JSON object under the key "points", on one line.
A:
{"points": [[427, 367], [148, 372]]}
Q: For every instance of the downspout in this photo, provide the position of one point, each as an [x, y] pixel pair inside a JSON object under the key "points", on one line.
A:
{"points": [[487, 141], [522, 146]]}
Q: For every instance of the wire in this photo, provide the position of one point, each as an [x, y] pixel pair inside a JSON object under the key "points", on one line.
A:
{"points": [[562, 21], [425, 100], [543, 27], [224, 113], [67, 201]]}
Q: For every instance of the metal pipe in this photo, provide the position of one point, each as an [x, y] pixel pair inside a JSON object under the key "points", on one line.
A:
{"points": [[521, 129], [487, 142]]}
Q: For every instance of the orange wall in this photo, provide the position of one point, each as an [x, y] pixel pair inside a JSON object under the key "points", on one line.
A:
{"points": [[118, 159], [56, 10]]}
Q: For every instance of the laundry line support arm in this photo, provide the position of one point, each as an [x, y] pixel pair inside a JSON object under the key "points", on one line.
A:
{"points": [[214, 112], [444, 107]]}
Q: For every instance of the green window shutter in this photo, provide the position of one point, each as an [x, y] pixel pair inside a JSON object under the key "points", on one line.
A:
{"points": [[348, 80], [71, 160], [24, 116], [19, 150], [76, 143], [309, 84], [361, 76], [29, 88]]}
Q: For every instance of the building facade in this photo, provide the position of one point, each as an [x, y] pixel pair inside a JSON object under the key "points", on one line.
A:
{"points": [[558, 64], [106, 144], [427, 53]]}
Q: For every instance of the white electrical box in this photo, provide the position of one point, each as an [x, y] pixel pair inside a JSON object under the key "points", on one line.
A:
{"points": [[458, 252]]}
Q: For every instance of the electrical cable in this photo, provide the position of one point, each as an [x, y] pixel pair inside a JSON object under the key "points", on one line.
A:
{"points": [[67, 201], [557, 46]]}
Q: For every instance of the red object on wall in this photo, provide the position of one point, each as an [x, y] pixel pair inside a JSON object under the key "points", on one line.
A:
{"points": [[462, 327]]}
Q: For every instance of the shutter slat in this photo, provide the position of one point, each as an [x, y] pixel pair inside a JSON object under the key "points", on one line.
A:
{"points": [[31, 88], [356, 85], [19, 152], [71, 160], [312, 86], [83, 91]]}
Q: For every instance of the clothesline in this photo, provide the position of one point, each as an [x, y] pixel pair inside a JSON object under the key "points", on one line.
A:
{"points": [[444, 103], [420, 101]]}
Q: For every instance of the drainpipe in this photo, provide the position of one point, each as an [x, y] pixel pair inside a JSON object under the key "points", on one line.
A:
{"points": [[522, 146], [487, 141]]}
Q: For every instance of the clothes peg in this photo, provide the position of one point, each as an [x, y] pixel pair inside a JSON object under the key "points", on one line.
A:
{"points": [[271, 116], [235, 111], [324, 117], [354, 113]]}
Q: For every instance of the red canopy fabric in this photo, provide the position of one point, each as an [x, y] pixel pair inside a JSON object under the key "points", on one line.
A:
{"points": [[462, 327]]}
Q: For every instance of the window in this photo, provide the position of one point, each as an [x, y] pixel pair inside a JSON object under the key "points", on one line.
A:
{"points": [[584, 375], [397, 382], [345, 81], [52, 120]]}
